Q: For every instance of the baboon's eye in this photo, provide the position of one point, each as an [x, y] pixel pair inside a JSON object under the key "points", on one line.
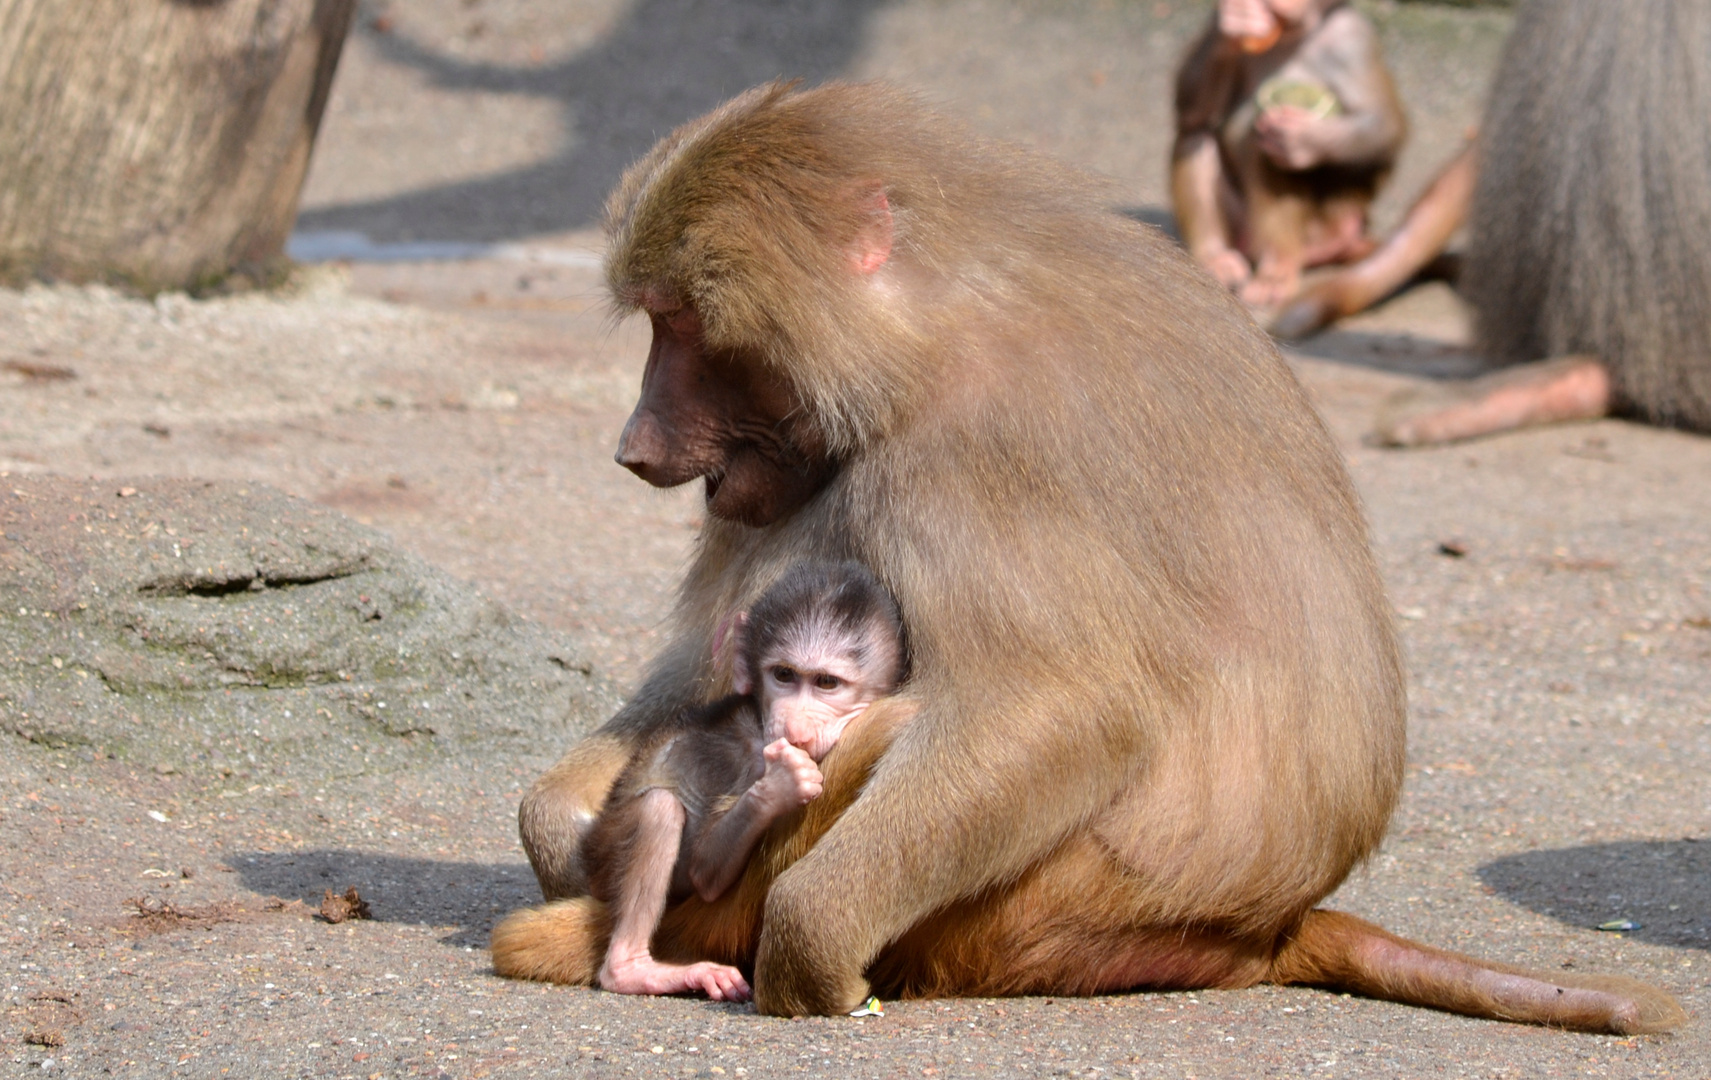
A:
{"points": [[784, 675], [828, 682], [683, 321]]}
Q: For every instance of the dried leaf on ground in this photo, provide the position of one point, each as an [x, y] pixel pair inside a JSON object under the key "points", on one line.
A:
{"points": [[336, 909]]}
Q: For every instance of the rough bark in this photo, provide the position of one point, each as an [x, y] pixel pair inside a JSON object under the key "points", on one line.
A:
{"points": [[158, 143]]}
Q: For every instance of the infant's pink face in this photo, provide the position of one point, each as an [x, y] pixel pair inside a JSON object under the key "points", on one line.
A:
{"points": [[810, 709]]}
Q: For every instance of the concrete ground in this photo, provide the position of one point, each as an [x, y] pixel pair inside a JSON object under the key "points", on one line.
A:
{"points": [[1553, 589]]}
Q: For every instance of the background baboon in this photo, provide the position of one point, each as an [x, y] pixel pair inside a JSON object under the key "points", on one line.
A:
{"points": [[1155, 708], [818, 647], [1589, 231], [1286, 123]]}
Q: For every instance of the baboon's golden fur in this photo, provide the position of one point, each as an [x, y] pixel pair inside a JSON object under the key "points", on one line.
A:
{"points": [[1156, 707]]}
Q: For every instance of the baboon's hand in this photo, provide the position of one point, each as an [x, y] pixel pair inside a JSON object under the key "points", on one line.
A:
{"points": [[807, 963], [1290, 137]]}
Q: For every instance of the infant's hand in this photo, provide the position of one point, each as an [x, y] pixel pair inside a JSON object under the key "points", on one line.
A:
{"points": [[1287, 135], [791, 778]]}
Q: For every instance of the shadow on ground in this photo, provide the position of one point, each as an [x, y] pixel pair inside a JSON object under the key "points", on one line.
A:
{"points": [[1159, 217], [1399, 354], [427, 892], [668, 61], [1663, 885]]}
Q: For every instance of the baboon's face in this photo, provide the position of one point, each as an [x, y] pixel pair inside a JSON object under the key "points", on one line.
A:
{"points": [[725, 418]]}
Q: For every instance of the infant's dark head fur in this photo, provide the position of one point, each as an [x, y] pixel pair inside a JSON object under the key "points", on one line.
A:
{"points": [[840, 601]]}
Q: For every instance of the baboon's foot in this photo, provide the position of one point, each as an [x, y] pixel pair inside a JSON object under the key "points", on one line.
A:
{"points": [[1344, 239], [1271, 286], [1315, 308], [1546, 392], [645, 975]]}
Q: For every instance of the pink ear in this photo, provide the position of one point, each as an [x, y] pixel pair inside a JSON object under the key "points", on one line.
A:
{"points": [[728, 647], [872, 246]]}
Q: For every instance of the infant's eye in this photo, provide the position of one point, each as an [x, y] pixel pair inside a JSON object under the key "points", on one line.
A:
{"points": [[828, 682], [784, 675]]}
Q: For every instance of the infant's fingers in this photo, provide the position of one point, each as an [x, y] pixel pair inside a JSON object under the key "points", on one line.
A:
{"points": [[736, 987], [805, 759], [802, 779]]}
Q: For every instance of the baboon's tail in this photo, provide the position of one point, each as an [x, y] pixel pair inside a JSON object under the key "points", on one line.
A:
{"points": [[561, 942], [1341, 952]]}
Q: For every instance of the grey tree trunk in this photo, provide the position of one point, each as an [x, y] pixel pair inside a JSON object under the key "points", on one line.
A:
{"points": [[159, 144]]}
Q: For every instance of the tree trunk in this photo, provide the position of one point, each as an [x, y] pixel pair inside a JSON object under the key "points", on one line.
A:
{"points": [[159, 144]]}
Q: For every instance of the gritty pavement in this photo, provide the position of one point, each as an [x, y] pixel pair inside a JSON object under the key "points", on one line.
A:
{"points": [[159, 912]]}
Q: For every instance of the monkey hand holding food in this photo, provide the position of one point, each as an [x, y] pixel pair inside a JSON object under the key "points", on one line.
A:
{"points": [[1300, 138], [1294, 138], [1287, 122]]}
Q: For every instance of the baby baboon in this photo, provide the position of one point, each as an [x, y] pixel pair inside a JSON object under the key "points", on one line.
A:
{"points": [[813, 652], [1286, 124]]}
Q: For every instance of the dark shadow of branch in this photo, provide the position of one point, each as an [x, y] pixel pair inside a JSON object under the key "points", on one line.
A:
{"points": [[427, 892], [666, 62], [1400, 354]]}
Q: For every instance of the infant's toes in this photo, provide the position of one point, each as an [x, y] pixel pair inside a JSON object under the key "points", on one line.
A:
{"points": [[736, 987]]}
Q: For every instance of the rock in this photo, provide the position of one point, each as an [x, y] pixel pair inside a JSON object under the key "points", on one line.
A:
{"points": [[231, 628]]}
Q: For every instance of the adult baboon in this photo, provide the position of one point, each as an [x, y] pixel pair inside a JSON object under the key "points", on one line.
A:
{"points": [[1589, 231], [1155, 709]]}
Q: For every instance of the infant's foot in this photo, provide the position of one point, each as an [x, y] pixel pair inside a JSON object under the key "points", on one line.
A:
{"points": [[645, 975]]}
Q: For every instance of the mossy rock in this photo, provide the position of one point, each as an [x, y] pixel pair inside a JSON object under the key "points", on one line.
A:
{"points": [[214, 626]]}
